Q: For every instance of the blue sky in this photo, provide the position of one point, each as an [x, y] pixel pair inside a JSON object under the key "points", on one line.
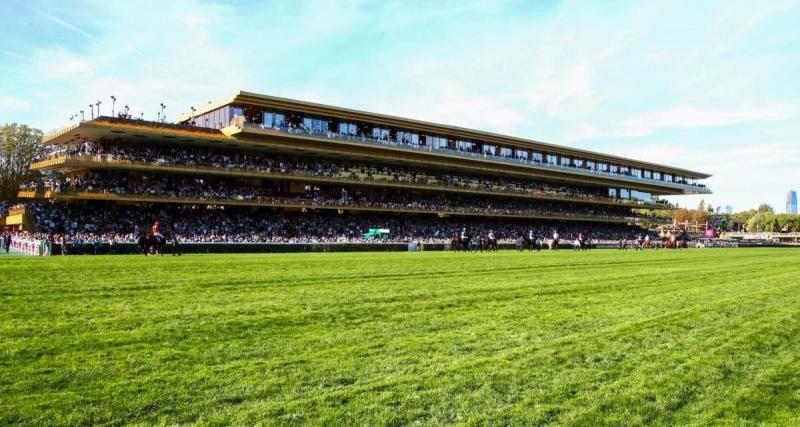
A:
{"points": [[711, 85]]}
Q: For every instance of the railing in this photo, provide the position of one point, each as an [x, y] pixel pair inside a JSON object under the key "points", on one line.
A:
{"points": [[156, 125], [58, 132], [131, 121], [80, 160], [299, 203], [33, 247], [474, 155]]}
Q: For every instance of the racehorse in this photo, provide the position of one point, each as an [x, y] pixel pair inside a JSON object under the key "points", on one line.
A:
{"points": [[489, 244], [459, 244], [151, 245], [526, 242]]}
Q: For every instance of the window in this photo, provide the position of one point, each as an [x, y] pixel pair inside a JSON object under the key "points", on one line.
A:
{"points": [[435, 142], [348, 128], [315, 125], [489, 149], [380, 134], [408, 138], [552, 159], [602, 167], [648, 174], [667, 177], [236, 112], [565, 161], [613, 169], [624, 193], [578, 163], [536, 157], [521, 154], [590, 165], [636, 172], [273, 119], [506, 152], [624, 170], [464, 146], [612, 192], [639, 195]]}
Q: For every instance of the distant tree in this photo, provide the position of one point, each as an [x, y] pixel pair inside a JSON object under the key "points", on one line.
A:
{"points": [[764, 221], [702, 206], [690, 216], [764, 208], [19, 146]]}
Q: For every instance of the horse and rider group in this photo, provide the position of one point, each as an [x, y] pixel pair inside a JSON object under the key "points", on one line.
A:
{"points": [[154, 243], [466, 242], [530, 241]]}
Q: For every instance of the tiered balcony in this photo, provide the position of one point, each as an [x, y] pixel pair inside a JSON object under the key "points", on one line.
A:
{"points": [[308, 204], [354, 177]]}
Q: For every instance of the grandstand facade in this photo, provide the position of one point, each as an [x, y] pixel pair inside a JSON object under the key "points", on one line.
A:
{"points": [[259, 168]]}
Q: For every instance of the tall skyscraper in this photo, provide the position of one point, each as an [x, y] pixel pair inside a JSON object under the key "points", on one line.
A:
{"points": [[791, 202]]}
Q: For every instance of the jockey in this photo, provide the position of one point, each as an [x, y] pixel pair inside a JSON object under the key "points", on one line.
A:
{"points": [[156, 232], [555, 235], [464, 233], [530, 235], [491, 235]]}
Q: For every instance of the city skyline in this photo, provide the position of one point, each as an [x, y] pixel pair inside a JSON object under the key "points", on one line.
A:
{"points": [[708, 87], [791, 202]]}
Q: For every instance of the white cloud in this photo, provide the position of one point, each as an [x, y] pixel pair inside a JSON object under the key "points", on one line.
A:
{"points": [[690, 117], [12, 104], [684, 117], [64, 24]]}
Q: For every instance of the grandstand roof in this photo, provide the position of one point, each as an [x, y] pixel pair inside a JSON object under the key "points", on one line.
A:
{"points": [[266, 101]]}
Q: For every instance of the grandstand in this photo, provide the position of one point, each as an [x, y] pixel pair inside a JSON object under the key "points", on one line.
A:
{"points": [[256, 168]]}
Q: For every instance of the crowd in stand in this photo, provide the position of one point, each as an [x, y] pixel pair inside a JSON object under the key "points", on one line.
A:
{"points": [[59, 222], [220, 190], [326, 168]]}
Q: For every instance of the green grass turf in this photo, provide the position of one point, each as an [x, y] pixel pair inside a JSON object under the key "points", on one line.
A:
{"points": [[603, 337]]}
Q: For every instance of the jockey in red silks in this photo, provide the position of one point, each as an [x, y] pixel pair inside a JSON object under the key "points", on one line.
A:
{"points": [[156, 232]]}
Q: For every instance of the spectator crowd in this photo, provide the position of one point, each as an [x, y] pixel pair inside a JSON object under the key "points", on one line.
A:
{"points": [[277, 164], [220, 190], [61, 222]]}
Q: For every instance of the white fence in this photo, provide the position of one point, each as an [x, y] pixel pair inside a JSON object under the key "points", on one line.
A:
{"points": [[28, 247]]}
